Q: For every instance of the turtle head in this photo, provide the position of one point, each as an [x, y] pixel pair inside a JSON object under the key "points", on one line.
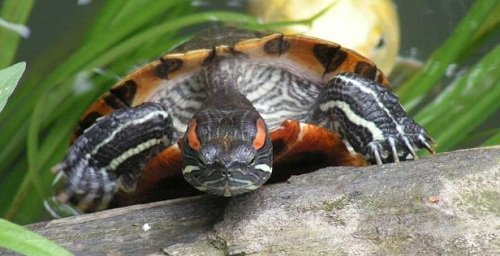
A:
{"points": [[226, 159]]}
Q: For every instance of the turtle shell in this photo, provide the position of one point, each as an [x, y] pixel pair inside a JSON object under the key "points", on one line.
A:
{"points": [[176, 80]]}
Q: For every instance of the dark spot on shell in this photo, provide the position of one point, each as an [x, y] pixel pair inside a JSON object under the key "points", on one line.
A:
{"points": [[113, 101], [211, 56], [224, 52], [324, 53], [124, 92], [86, 122], [336, 61], [237, 53], [366, 70], [167, 66], [330, 56], [276, 46]]}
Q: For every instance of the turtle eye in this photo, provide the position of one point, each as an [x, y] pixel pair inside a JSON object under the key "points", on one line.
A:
{"points": [[252, 160]]}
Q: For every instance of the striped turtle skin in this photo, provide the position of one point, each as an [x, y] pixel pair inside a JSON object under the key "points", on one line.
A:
{"points": [[227, 112]]}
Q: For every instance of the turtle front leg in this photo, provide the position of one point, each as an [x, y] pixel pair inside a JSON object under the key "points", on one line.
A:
{"points": [[110, 155], [370, 118]]}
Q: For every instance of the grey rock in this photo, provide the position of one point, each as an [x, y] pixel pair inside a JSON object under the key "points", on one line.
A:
{"points": [[446, 204]]}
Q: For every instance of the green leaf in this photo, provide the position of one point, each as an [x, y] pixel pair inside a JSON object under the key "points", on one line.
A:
{"points": [[19, 239], [492, 141], [465, 104], [17, 12], [9, 77], [482, 16]]}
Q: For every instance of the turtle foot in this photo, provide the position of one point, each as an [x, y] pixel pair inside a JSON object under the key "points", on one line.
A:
{"points": [[371, 119], [69, 200]]}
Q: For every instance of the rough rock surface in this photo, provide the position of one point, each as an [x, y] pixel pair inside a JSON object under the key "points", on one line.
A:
{"points": [[448, 204], [445, 204]]}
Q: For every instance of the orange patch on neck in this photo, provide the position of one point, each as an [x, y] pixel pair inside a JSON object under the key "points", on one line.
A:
{"points": [[260, 136], [192, 138]]}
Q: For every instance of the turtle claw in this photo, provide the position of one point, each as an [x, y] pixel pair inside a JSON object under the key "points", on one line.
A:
{"points": [[59, 210], [58, 203], [56, 169], [394, 150], [69, 199], [425, 142], [375, 148], [93, 202], [65, 203], [398, 148], [410, 148]]}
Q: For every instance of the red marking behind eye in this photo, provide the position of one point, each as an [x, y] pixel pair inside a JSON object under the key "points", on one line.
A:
{"points": [[192, 138], [260, 136]]}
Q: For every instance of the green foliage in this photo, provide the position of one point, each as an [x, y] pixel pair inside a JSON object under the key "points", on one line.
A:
{"points": [[493, 140], [9, 77], [463, 104], [467, 102], [21, 240], [482, 20], [14, 11]]}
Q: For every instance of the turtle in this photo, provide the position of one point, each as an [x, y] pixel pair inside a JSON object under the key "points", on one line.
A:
{"points": [[228, 111]]}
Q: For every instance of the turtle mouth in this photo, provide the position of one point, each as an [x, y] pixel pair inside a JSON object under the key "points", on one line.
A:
{"points": [[227, 181]]}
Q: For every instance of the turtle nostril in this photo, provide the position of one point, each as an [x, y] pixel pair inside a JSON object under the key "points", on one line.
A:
{"points": [[226, 173]]}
